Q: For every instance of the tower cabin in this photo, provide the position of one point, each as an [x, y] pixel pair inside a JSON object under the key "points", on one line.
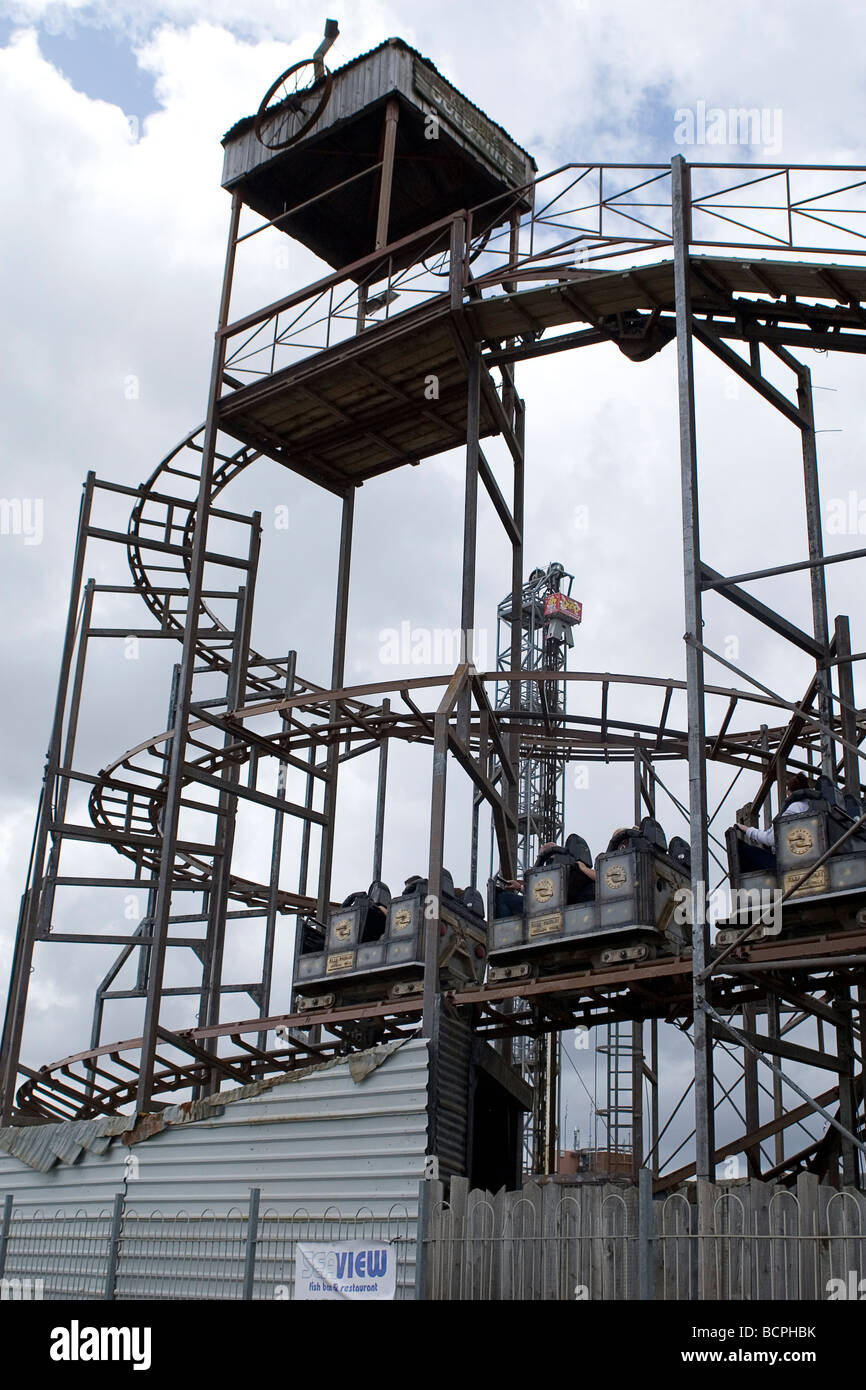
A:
{"points": [[395, 148]]}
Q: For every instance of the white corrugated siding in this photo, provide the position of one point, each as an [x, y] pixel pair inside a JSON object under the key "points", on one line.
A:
{"points": [[322, 1149], [323, 1140]]}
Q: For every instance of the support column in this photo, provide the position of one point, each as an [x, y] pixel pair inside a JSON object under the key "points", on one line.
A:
{"points": [[847, 1094], [847, 717], [46, 906], [774, 1032], [637, 1070], [338, 663], [752, 1102], [551, 1096], [381, 792], [681, 228], [274, 877], [516, 658], [29, 915], [654, 1095], [389, 143], [470, 535], [226, 817], [431, 998], [174, 791], [820, 628], [642, 793]]}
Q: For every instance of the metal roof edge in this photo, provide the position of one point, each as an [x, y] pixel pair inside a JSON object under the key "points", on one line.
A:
{"points": [[246, 122], [42, 1146]]}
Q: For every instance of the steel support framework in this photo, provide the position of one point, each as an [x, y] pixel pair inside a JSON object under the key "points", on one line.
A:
{"points": [[582, 256]]}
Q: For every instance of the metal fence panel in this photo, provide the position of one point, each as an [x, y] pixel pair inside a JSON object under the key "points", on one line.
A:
{"points": [[57, 1255], [551, 1242], [279, 1235], [131, 1254], [181, 1257]]}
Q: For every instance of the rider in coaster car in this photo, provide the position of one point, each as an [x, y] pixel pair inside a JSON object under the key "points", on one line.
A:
{"points": [[509, 900], [648, 834], [758, 852]]}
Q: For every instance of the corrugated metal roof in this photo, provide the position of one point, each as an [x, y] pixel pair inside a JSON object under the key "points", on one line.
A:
{"points": [[41, 1146], [350, 1133], [246, 122]]}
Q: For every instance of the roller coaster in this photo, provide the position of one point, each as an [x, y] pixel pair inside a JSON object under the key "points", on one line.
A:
{"points": [[495, 265]]}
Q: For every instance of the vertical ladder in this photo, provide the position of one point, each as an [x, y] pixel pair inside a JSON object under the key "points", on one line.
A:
{"points": [[618, 1112]]}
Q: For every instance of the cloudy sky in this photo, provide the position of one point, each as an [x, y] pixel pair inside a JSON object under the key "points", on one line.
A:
{"points": [[114, 238]]}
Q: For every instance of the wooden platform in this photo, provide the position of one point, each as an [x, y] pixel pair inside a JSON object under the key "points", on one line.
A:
{"points": [[397, 393], [394, 395]]}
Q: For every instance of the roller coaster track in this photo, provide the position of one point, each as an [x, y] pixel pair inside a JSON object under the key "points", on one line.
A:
{"points": [[102, 1080], [126, 802], [128, 799]]}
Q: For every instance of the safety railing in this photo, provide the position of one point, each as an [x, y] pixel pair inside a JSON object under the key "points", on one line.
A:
{"points": [[131, 1254], [350, 301], [587, 213], [574, 219]]}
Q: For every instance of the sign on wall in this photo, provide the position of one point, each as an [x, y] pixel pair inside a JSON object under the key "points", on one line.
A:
{"points": [[345, 1269]]}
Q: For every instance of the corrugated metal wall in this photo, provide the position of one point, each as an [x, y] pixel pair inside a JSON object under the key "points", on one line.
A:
{"points": [[323, 1140], [452, 1090]]}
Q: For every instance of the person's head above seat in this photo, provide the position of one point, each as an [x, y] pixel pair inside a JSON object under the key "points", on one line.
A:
{"points": [[619, 839], [796, 782]]}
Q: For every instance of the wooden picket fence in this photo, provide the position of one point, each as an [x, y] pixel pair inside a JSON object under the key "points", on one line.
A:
{"points": [[733, 1241]]}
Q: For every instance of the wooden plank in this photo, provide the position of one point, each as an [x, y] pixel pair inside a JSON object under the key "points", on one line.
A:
{"points": [[738, 1243], [595, 1242], [666, 1220], [808, 1264], [570, 1225], [826, 1253], [459, 1192], [436, 1239], [551, 1281], [497, 1261], [631, 1253], [708, 1283], [761, 1193], [479, 1212], [674, 1222], [614, 1218], [511, 1266], [534, 1241], [488, 1239]]}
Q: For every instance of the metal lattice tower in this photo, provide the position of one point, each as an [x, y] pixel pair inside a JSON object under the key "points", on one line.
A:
{"points": [[541, 779], [540, 809]]}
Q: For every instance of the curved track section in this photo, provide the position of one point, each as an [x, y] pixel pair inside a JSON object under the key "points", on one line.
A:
{"points": [[129, 797]]}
